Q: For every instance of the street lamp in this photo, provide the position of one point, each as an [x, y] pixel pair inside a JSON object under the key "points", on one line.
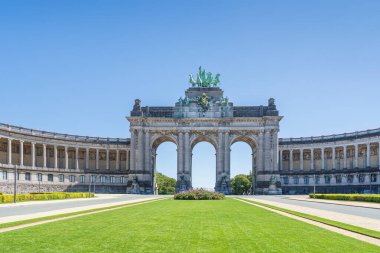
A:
{"points": [[15, 186]]}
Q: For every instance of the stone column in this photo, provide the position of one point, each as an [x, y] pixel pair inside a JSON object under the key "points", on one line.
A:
{"points": [[323, 158], [127, 159], [219, 155], [140, 149], [21, 153], [97, 159], [107, 159], [312, 159], [259, 157], [44, 154], [356, 155], [333, 158], [133, 150], [55, 157], [291, 159], [280, 160], [66, 158], [187, 155], [77, 158], [267, 151], [87, 158], [368, 162], [378, 155], [227, 153], [9, 151], [33, 154], [301, 159], [148, 153], [118, 159], [345, 157], [180, 160]]}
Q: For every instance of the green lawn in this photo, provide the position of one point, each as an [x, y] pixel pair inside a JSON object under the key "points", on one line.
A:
{"points": [[181, 226]]}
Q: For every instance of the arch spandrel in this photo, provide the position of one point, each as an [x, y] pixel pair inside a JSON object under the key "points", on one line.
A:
{"points": [[203, 138], [158, 139], [251, 140]]}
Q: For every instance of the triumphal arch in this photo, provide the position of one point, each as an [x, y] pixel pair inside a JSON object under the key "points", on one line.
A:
{"points": [[204, 114]]}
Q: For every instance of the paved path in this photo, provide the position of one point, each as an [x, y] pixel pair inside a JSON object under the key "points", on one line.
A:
{"points": [[354, 215], [31, 210]]}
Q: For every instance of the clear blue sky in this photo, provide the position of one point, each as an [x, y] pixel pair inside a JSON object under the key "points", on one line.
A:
{"points": [[77, 66]]}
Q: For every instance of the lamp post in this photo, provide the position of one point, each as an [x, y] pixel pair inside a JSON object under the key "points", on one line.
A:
{"points": [[15, 186]]}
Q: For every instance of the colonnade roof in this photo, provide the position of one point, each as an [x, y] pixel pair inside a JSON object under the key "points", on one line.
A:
{"points": [[59, 136], [330, 138]]}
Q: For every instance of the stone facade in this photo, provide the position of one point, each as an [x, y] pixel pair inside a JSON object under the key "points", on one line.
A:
{"points": [[47, 161]]}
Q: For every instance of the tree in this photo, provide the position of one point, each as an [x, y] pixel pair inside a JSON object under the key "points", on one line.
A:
{"points": [[165, 184], [241, 184]]}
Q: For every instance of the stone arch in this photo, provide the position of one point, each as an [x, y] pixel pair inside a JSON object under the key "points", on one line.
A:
{"points": [[200, 138], [157, 140]]}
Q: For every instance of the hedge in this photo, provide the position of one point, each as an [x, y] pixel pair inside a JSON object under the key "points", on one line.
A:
{"points": [[9, 198], [349, 197], [199, 195]]}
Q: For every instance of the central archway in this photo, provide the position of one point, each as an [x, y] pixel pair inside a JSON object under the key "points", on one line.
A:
{"points": [[203, 163]]}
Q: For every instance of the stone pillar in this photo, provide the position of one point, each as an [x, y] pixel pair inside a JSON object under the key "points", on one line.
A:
{"points": [[301, 159], [87, 164], [378, 155], [267, 151], [66, 158], [133, 150], [140, 149], [127, 160], [323, 158], [291, 159], [21, 153], [333, 158], [219, 156], [148, 154], [356, 155], [312, 159], [77, 158], [97, 159], [280, 160], [44, 154], [345, 157], [259, 158], [55, 157], [227, 153], [107, 159], [118, 159], [9, 151], [33, 154], [368, 162], [180, 160], [187, 155]]}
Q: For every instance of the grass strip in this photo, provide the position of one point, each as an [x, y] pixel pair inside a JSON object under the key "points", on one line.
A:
{"points": [[355, 229], [45, 218]]}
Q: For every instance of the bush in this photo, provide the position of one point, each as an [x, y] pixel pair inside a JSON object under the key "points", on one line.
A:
{"points": [[199, 195], [349, 197], [9, 198]]}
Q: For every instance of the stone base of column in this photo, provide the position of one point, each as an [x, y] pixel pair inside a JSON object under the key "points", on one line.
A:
{"points": [[183, 183], [140, 184], [268, 184], [223, 185]]}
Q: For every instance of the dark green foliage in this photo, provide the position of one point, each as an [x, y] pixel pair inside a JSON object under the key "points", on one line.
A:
{"points": [[165, 184], [9, 198], [349, 197], [241, 184], [199, 195]]}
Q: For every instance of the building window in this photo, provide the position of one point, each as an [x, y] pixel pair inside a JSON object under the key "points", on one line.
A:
{"points": [[92, 179], [50, 177], [338, 179], [296, 180], [361, 178], [112, 179], [82, 179], [327, 179], [306, 179], [61, 178], [39, 177], [5, 175], [317, 179], [350, 178], [72, 178], [122, 179], [373, 178], [102, 179], [286, 180], [27, 176]]}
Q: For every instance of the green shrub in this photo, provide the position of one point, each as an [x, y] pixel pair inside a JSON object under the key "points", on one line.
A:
{"points": [[349, 197], [199, 195], [9, 198]]}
